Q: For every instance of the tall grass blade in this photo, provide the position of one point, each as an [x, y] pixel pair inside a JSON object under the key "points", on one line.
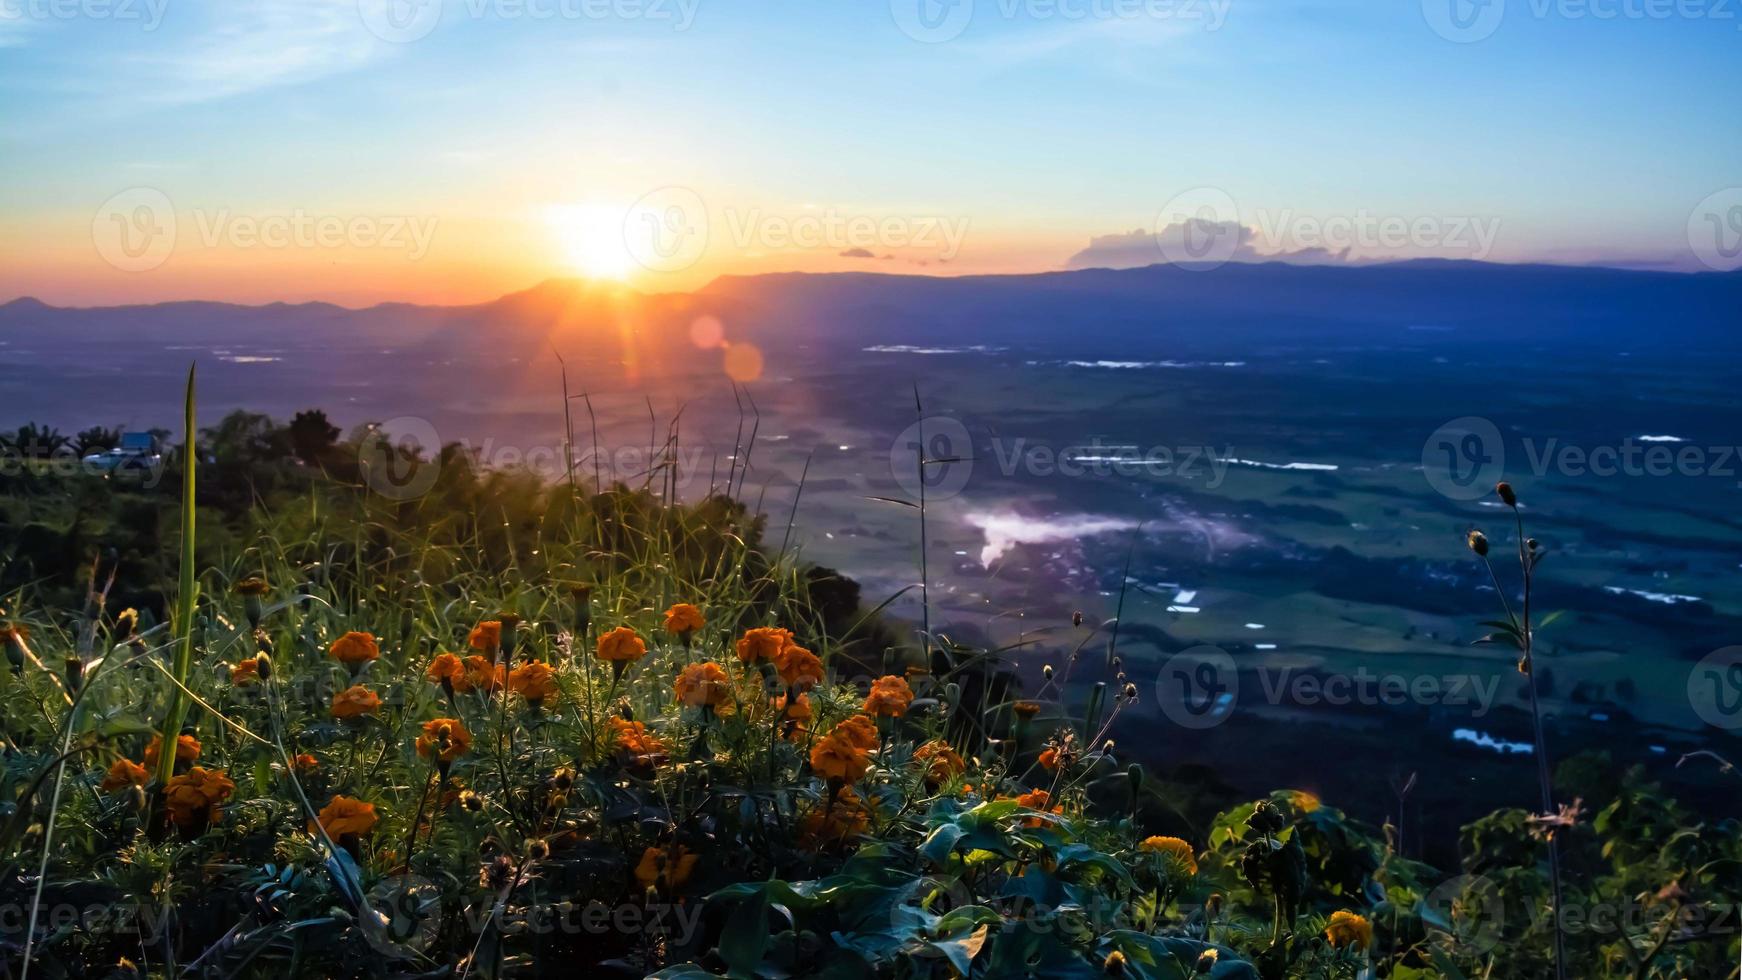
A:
{"points": [[186, 592]]}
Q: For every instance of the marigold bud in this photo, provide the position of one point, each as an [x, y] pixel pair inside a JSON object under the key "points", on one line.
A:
{"points": [[1478, 543], [1507, 497]]}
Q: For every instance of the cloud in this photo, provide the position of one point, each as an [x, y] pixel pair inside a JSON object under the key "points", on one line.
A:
{"points": [[857, 253], [245, 47], [1138, 248]]}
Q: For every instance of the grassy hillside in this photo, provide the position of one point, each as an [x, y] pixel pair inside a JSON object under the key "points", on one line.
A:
{"points": [[500, 728]]}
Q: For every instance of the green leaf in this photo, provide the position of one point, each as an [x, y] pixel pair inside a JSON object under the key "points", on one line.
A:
{"points": [[746, 935], [961, 951]]}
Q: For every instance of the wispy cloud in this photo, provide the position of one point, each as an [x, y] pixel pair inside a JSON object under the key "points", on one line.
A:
{"points": [[250, 45]]}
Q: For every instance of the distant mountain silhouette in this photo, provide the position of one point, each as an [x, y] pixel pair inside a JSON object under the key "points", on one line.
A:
{"points": [[1146, 309]]}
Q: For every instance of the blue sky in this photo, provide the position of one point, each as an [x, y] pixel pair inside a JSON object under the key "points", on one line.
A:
{"points": [[1574, 136]]}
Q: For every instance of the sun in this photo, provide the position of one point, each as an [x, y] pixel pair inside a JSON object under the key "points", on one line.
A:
{"points": [[591, 236]]}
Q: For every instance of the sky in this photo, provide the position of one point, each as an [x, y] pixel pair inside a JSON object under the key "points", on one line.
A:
{"points": [[362, 151]]}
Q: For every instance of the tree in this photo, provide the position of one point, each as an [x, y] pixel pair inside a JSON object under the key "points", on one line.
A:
{"points": [[312, 436], [96, 439]]}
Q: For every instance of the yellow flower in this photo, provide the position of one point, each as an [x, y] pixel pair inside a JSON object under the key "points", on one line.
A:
{"points": [[683, 618], [1175, 850], [621, 645], [703, 684], [192, 798], [187, 749], [345, 816], [354, 702], [763, 643], [666, 867], [1348, 929], [533, 681], [799, 668], [355, 648], [1303, 801], [443, 739], [124, 773], [486, 636], [889, 697]]}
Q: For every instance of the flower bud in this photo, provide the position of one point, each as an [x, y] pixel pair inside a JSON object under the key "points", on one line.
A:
{"points": [[1077, 618], [1478, 543], [1507, 497]]}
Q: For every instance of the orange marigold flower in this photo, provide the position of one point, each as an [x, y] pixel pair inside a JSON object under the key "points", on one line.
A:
{"points": [[1304, 801], [1040, 800], [187, 749], [843, 753], [799, 668], [1348, 929], [889, 697], [941, 763], [354, 702], [621, 645], [192, 798], [253, 586], [859, 730], [534, 681], [632, 737], [305, 763], [346, 816], [1026, 709], [684, 618], [124, 773], [842, 817], [450, 669], [443, 739], [1049, 759], [355, 648], [763, 643], [246, 672], [668, 868], [486, 636], [483, 675], [1175, 850], [701, 684]]}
